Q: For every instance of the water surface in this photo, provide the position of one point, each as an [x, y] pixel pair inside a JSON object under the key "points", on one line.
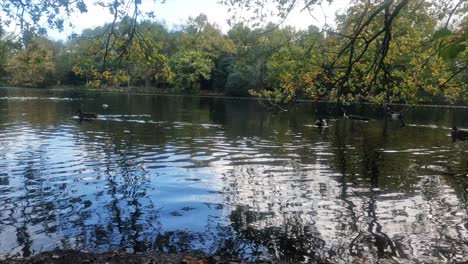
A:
{"points": [[225, 176]]}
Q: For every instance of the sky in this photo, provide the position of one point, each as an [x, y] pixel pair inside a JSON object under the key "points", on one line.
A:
{"points": [[176, 12]]}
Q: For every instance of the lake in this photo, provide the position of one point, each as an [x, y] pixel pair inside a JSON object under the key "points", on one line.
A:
{"points": [[228, 177]]}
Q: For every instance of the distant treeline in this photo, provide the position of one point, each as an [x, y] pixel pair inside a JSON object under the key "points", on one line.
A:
{"points": [[282, 64]]}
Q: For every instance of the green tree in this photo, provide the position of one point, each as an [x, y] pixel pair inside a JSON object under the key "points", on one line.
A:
{"points": [[7, 47], [208, 41], [32, 66], [191, 67], [139, 58], [148, 60], [204, 36], [254, 50], [239, 83]]}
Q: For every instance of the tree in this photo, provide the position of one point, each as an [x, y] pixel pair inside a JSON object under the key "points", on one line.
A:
{"points": [[7, 47], [39, 15], [395, 62], [199, 33], [191, 67], [361, 44], [28, 14], [125, 59], [202, 44], [32, 66], [238, 83], [148, 59], [255, 49], [293, 68]]}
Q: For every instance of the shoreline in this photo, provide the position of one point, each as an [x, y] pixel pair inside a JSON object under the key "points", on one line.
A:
{"points": [[72, 256], [146, 91]]}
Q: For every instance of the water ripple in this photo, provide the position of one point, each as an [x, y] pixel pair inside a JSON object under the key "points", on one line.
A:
{"points": [[248, 186]]}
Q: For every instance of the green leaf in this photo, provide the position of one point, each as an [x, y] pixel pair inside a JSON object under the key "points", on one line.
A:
{"points": [[451, 51], [442, 33]]}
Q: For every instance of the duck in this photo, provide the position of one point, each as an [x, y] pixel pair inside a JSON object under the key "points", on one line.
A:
{"points": [[320, 123], [458, 133], [105, 106], [397, 116], [86, 116], [354, 117]]}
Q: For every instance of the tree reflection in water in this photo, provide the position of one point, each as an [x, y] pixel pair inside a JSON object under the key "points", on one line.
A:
{"points": [[226, 177], [373, 203]]}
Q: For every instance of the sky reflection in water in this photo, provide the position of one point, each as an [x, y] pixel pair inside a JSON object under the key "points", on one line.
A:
{"points": [[227, 177]]}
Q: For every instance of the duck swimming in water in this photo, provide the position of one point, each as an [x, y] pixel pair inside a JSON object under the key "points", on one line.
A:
{"points": [[458, 133], [320, 123], [86, 116], [397, 116], [354, 117]]}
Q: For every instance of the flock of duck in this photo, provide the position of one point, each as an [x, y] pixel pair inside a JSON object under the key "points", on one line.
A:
{"points": [[457, 133]]}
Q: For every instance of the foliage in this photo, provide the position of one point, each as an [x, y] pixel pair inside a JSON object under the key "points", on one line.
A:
{"points": [[140, 58], [192, 66], [147, 60], [239, 83], [222, 69], [378, 51], [201, 43], [32, 66], [28, 14], [201, 35], [7, 48]]}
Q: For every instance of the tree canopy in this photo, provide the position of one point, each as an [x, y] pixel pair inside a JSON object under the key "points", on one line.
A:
{"points": [[389, 50], [378, 51], [28, 14]]}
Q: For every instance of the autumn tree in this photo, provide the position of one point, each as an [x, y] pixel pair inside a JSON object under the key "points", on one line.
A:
{"points": [[361, 46]]}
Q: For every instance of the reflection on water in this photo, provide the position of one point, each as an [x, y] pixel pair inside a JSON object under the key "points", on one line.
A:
{"points": [[224, 176]]}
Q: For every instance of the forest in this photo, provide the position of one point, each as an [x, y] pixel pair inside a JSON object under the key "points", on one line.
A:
{"points": [[378, 51]]}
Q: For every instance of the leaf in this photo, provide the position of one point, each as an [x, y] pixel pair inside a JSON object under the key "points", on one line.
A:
{"points": [[442, 33], [450, 52]]}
